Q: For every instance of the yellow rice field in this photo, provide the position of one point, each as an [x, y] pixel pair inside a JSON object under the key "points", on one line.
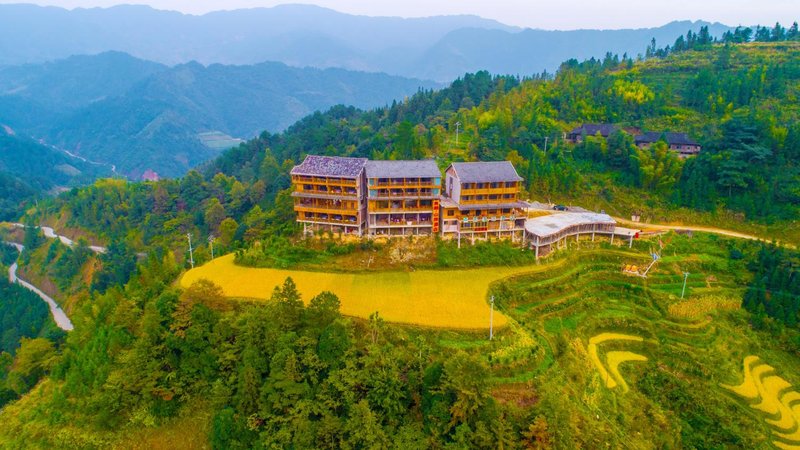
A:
{"points": [[618, 357], [432, 298], [611, 376], [774, 397]]}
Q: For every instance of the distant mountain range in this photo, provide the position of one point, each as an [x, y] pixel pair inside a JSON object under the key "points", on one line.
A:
{"points": [[439, 48], [138, 115]]}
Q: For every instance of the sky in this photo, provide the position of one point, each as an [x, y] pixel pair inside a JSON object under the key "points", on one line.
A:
{"points": [[545, 14]]}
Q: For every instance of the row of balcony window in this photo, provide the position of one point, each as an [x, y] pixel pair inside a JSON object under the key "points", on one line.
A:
{"points": [[335, 218], [403, 181], [404, 192], [326, 204], [492, 197], [328, 190], [497, 185]]}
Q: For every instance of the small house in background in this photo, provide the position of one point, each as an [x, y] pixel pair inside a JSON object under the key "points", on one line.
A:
{"points": [[591, 129], [677, 142], [150, 175], [329, 194], [403, 197]]}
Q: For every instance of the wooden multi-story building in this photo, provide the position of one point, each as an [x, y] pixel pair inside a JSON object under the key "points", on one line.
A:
{"points": [[403, 197], [482, 199], [329, 194]]}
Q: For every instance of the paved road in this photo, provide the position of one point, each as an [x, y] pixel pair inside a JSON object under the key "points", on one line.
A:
{"points": [[59, 315], [51, 234]]}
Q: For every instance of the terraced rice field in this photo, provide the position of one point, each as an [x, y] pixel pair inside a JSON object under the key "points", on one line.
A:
{"points": [[613, 359], [775, 397], [445, 299]]}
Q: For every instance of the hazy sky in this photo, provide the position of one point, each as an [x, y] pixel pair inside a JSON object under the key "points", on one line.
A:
{"points": [[547, 14]]}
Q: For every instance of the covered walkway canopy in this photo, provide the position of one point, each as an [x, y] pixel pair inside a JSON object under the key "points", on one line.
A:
{"points": [[547, 230]]}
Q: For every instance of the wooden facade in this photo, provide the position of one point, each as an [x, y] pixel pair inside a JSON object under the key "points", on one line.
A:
{"points": [[402, 197], [329, 194], [482, 199]]}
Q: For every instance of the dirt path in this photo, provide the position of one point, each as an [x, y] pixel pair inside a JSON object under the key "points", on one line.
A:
{"points": [[723, 232]]}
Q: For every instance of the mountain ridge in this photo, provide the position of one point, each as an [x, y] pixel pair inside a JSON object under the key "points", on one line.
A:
{"points": [[304, 35], [140, 115]]}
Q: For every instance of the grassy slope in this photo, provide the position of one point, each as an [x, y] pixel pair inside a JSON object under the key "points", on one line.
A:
{"points": [[676, 397], [541, 365]]}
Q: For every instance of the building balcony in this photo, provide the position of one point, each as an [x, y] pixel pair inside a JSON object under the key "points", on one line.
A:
{"points": [[414, 183], [325, 208], [325, 193], [490, 191], [324, 181], [337, 220], [401, 223]]}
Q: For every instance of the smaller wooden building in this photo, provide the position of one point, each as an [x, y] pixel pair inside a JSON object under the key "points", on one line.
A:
{"points": [[482, 199]]}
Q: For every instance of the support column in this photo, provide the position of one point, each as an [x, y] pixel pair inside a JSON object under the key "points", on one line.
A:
{"points": [[630, 245], [612, 238], [537, 251]]}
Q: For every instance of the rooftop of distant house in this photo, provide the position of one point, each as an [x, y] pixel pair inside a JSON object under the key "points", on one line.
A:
{"points": [[485, 172], [426, 168], [330, 166], [671, 138], [591, 129]]}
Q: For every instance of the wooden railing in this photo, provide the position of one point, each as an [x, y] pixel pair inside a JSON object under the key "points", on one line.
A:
{"points": [[341, 192], [490, 191], [325, 208], [324, 180]]}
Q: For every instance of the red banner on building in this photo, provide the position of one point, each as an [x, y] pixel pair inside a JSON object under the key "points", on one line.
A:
{"points": [[435, 218]]}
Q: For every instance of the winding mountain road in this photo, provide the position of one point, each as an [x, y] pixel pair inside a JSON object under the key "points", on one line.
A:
{"points": [[51, 234], [59, 316]]}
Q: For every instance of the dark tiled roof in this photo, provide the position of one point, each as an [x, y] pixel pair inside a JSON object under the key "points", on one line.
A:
{"points": [[591, 129], [671, 138], [330, 166], [485, 172], [403, 169]]}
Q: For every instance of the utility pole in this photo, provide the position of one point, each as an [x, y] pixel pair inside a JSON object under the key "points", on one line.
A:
{"points": [[685, 276], [211, 243], [545, 143], [191, 255], [458, 124], [491, 318]]}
